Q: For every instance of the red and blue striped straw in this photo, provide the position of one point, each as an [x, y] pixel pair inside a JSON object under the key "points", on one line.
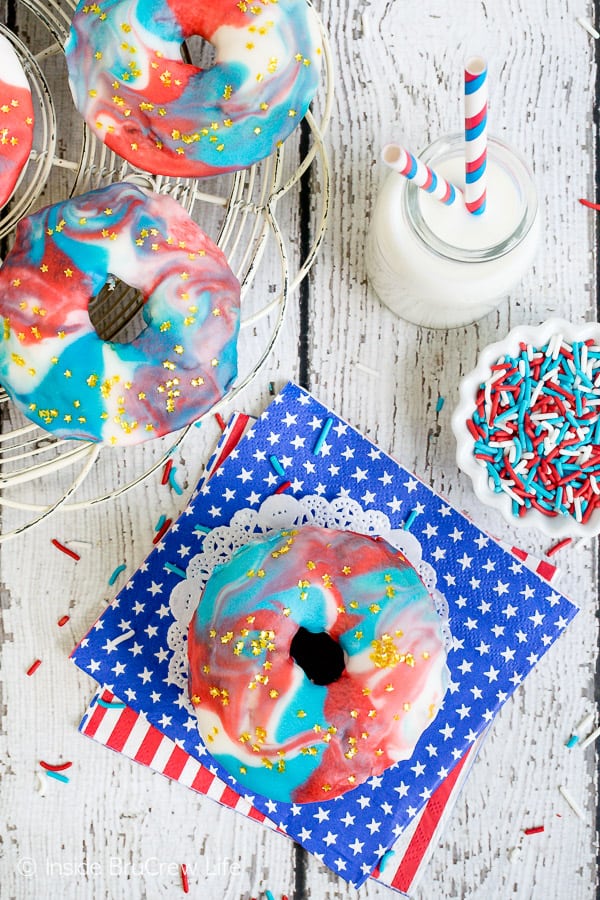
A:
{"points": [[476, 104], [403, 162]]}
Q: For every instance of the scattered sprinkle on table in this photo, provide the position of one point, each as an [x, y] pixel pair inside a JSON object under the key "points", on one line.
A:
{"points": [[166, 471], [580, 729], [174, 483], [590, 738], [559, 546], [63, 621], [220, 421], [589, 203], [587, 26], [66, 550], [184, 879], [572, 802], [34, 666], [536, 428], [116, 574], [439, 405], [55, 768], [56, 775], [160, 523], [536, 830]]}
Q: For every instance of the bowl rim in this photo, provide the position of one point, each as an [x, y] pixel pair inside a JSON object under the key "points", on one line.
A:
{"points": [[557, 526]]}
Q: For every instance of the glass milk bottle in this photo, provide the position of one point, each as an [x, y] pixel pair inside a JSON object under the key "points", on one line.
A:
{"points": [[442, 266]]}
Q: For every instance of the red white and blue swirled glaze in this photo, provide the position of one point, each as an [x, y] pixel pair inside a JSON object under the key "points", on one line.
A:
{"points": [[260, 716], [54, 365], [169, 117], [16, 119]]}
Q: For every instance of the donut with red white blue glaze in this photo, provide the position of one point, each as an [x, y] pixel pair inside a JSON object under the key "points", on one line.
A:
{"points": [[169, 117], [316, 660], [16, 119], [53, 363]]}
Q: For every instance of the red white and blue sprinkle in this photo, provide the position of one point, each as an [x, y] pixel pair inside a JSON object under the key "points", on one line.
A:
{"points": [[174, 483], [170, 567], [116, 574], [110, 704], [536, 428], [277, 466], [410, 519], [61, 767], [57, 776], [322, 437]]}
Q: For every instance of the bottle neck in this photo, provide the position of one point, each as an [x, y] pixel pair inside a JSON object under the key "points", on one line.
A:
{"points": [[455, 234]]}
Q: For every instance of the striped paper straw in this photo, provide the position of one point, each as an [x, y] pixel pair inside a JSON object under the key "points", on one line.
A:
{"points": [[403, 162], [476, 103]]}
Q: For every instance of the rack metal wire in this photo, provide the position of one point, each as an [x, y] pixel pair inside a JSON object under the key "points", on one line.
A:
{"points": [[239, 211]]}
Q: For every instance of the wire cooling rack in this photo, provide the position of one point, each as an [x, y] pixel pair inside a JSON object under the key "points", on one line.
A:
{"points": [[239, 211]]}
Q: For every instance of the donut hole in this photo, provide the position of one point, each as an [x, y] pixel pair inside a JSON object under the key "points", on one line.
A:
{"points": [[319, 656], [116, 312], [198, 52]]}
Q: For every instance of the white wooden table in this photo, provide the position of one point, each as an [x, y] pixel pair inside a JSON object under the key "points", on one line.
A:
{"points": [[117, 831]]}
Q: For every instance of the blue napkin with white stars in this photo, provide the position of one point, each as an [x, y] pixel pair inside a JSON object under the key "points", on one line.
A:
{"points": [[503, 618]]}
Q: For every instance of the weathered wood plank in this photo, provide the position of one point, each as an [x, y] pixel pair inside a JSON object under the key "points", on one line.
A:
{"points": [[121, 828]]}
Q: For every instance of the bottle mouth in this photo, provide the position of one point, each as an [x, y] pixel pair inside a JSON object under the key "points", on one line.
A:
{"points": [[513, 166]]}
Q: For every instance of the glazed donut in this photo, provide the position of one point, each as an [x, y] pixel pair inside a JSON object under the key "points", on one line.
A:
{"points": [[54, 365], [169, 117], [16, 120], [316, 660]]}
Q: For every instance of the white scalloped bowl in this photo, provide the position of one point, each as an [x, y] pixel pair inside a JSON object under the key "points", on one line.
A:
{"points": [[538, 335]]}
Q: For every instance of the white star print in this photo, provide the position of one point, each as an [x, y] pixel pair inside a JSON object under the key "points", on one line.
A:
{"points": [[373, 826], [356, 846], [492, 674]]}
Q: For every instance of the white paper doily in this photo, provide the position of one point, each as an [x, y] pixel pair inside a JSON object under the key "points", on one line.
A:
{"points": [[275, 513]]}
